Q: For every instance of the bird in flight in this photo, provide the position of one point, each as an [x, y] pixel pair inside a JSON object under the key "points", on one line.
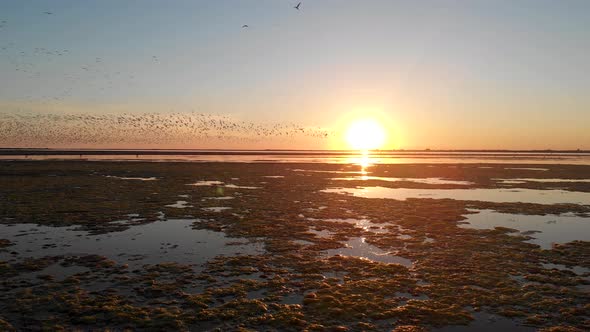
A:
{"points": [[297, 7], [48, 13], [244, 26]]}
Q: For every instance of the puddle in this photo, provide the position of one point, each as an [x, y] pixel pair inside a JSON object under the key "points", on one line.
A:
{"points": [[206, 183], [512, 195], [240, 187], [161, 241], [525, 180], [216, 208], [179, 205], [416, 180], [579, 270], [485, 322], [219, 183], [273, 176], [292, 298], [408, 296], [551, 228], [324, 171], [357, 247], [505, 181], [365, 224], [220, 197], [303, 242], [132, 178], [321, 233]]}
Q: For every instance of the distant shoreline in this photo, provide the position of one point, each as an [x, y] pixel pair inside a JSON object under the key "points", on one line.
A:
{"points": [[196, 152]]}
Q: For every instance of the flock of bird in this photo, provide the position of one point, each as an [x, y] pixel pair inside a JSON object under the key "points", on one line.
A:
{"points": [[18, 128], [24, 129]]}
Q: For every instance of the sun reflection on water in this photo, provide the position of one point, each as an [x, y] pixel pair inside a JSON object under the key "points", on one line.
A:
{"points": [[364, 160]]}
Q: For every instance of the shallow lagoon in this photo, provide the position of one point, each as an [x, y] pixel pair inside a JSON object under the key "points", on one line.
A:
{"points": [[358, 247], [417, 180], [545, 230], [157, 242], [477, 194]]}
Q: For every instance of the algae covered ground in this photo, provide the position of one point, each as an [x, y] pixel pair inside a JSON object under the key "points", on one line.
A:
{"points": [[165, 246]]}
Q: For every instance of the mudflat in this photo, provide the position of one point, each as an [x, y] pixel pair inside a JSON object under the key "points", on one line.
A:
{"points": [[290, 246]]}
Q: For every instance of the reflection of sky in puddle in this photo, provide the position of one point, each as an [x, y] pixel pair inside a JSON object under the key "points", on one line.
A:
{"points": [[219, 183], [528, 168], [357, 247], [485, 322], [524, 180], [418, 180], [206, 183], [219, 197], [324, 233], [240, 187], [216, 208], [325, 171], [553, 228], [131, 178], [478, 194], [179, 205], [365, 224], [575, 269], [161, 241]]}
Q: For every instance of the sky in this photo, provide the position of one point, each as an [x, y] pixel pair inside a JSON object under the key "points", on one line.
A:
{"points": [[436, 74]]}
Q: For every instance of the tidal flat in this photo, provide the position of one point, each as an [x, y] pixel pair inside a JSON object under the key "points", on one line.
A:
{"points": [[166, 246]]}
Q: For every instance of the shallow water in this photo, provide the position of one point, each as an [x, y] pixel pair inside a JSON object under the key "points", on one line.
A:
{"points": [[580, 270], [240, 187], [365, 224], [552, 180], [297, 156], [131, 178], [551, 228], [220, 184], [162, 241], [417, 180], [477, 194], [357, 247], [219, 197], [485, 322], [179, 205], [216, 208], [206, 183]]}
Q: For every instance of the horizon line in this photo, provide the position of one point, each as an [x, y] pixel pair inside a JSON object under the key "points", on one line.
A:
{"points": [[159, 151]]}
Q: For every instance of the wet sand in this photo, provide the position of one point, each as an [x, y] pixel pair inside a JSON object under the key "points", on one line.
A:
{"points": [[268, 246]]}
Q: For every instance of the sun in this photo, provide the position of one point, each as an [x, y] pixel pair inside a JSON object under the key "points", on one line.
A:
{"points": [[365, 134]]}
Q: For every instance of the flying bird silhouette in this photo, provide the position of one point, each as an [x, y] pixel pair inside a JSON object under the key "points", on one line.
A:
{"points": [[297, 7], [245, 26], [48, 13]]}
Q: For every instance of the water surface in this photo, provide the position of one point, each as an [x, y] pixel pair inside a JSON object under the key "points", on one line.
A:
{"points": [[548, 229], [161, 241], [511, 195]]}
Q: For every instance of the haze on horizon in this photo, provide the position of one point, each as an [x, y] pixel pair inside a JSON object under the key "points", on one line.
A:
{"points": [[435, 74]]}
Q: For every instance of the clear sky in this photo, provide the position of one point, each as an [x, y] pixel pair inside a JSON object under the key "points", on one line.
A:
{"points": [[437, 74]]}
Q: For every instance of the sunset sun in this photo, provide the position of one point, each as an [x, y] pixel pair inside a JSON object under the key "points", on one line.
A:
{"points": [[365, 134]]}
